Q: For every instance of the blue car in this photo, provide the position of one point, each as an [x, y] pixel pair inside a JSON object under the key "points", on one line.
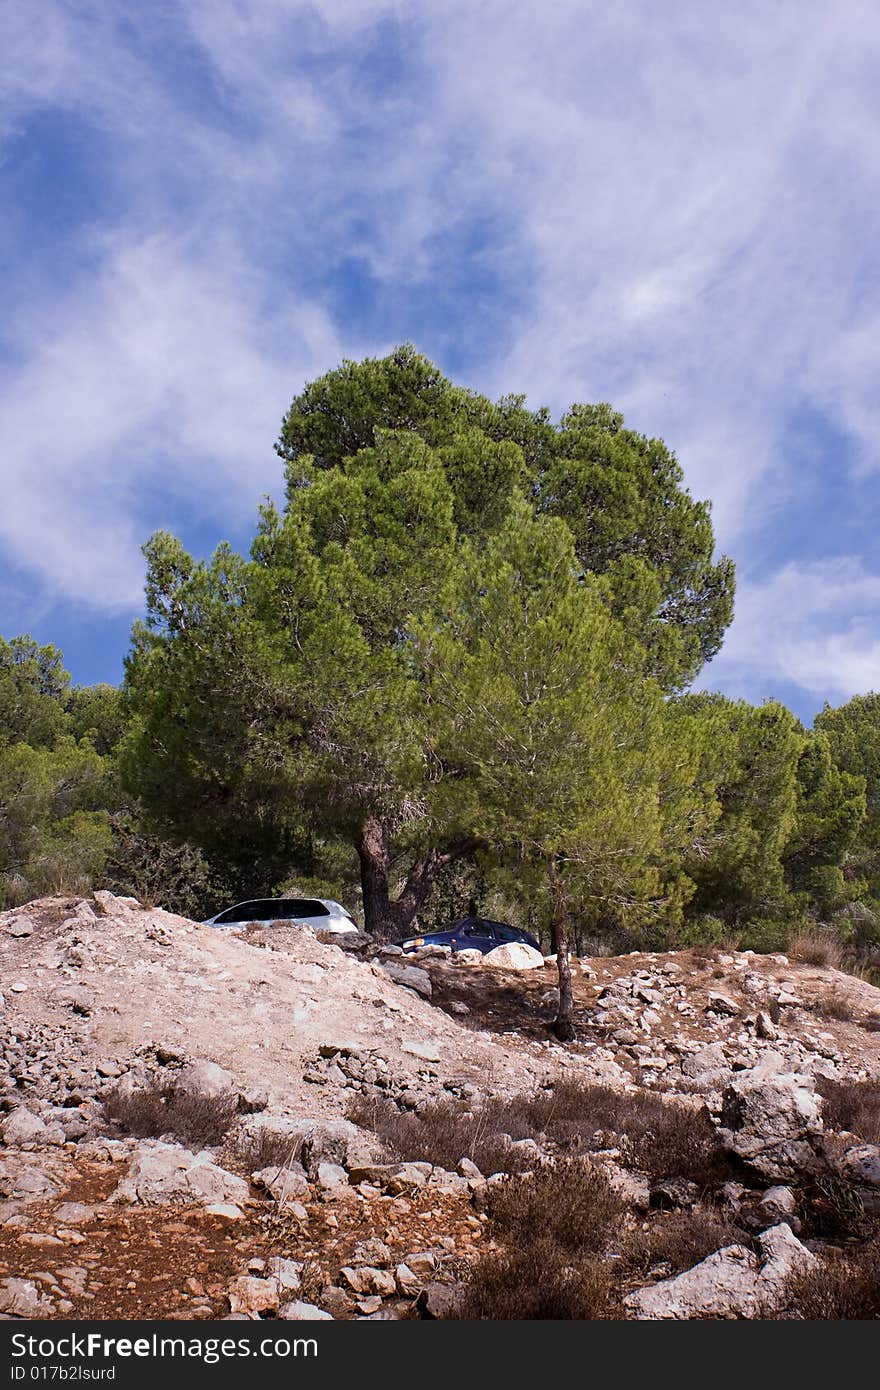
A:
{"points": [[473, 934]]}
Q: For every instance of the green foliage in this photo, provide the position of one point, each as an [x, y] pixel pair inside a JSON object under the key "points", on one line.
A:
{"points": [[556, 748], [620, 493], [54, 830], [829, 816], [159, 873], [749, 762], [284, 696], [853, 734], [33, 686], [53, 833]]}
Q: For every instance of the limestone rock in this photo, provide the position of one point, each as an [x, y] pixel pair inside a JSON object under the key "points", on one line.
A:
{"points": [[22, 1128], [303, 1312], [166, 1173], [732, 1283], [772, 1120], [514, 955], [861, 1164], [410, 976], [20, 1298], [204, 1078], [248, 1294]]}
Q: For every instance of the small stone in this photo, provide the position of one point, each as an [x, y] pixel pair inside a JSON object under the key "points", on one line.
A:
{"points": [[722, 1004], [407, 1281], [21, 1128], [20, 926], [303, 1312], [425, 1051], [225, 1211], [248, 1294]]}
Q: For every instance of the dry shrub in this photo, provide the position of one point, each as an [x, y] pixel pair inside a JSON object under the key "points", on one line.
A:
{"points": [[843, 1288], [663, 1138], [263, 1149], [834, 1004], [831, 1207], [570, 1203], [870, 1023], [444, 1133], [539, 1281], [678, 1240], [156, 1109], [818, 948], [852, 1106]]}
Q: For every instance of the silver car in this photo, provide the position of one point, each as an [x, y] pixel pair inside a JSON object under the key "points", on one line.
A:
{"points": [[321, 914]]}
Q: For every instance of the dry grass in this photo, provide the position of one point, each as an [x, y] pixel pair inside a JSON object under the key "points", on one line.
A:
{"points": [[570, 1203], [834, 1004], [264, 1150], [852, 1106], [818, 948], [444, 1133], [539, 1281], [678, 1240], [844, 1288], [663, 1139], [154, 1110]]}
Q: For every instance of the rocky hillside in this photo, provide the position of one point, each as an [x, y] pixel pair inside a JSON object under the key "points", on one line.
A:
{"points": [[199, 1124]]}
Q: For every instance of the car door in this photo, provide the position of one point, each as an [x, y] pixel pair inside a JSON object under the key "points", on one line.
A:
{"points": [[478, 936]]}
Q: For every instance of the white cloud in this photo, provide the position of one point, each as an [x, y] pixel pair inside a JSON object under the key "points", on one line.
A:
{"points": [[681, 201], [159, 381], [813, 625]]}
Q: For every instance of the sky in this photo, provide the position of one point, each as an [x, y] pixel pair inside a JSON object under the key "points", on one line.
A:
{"points": [[206, 203]]}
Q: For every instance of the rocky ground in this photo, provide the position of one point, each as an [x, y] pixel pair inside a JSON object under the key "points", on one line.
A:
{"points": [[176, 1140]]}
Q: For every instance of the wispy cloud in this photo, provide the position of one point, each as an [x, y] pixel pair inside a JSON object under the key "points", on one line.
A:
{"points": [[668, 207], [815, 626]]}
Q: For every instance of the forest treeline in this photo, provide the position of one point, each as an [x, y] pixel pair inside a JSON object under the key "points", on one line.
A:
{"points": [[452, 673]]}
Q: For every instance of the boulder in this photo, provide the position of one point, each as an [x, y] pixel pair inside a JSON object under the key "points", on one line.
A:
{"points": [[282, 1183], [253, 1296], [467, 957], [21, 925], [369, 1280], [772, 1120], [21, 1128], [514, 955], [311, 1141], [203, 1078], [162, 1174], [732, 1283], [410, 976], [861, 1164]]}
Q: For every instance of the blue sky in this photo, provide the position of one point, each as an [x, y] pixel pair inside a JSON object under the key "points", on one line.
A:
{"points": [[673, 207]]}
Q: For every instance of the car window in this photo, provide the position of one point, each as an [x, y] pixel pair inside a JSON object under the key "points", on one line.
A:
{"points": [[273, 910]]}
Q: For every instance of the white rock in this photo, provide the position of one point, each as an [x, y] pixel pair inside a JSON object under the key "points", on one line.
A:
{"points": [[514, 955], [410, 976], [772, 1120], [732, 1283], [862, 1164], [166, 1173], [303, 1312], [21, 1127]]}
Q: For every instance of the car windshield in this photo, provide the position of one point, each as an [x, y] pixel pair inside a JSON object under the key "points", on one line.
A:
{"points": [[508, 933], [274, 910]]}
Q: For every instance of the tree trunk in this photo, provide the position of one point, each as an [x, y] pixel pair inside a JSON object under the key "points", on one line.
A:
{"points": [[388, 920], [563, 1026], [373, 856]]}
